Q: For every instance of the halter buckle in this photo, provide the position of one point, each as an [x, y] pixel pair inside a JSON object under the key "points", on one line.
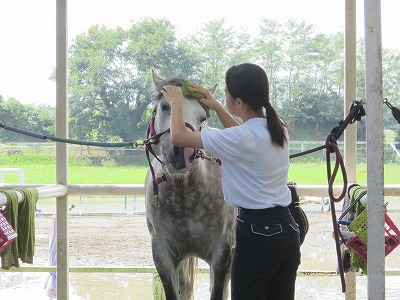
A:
{"points": [[156, 201]]}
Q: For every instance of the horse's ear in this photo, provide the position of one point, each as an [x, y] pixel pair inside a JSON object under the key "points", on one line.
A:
{"points": [[213, 89], [156, 80]]}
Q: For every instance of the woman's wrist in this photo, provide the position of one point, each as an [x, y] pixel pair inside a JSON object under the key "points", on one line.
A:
{"points": [[218, 107], [176, 103]]}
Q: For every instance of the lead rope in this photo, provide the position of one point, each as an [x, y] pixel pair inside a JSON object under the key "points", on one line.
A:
{"points": [[332, 147], [355, 114]]}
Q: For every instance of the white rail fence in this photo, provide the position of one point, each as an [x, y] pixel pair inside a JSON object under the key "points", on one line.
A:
{"points": [[57, 190], [21, 174]]}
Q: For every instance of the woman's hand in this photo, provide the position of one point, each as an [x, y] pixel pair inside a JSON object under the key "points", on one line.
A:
{"points": [[208, 99], [226, 119], [172, 94]]}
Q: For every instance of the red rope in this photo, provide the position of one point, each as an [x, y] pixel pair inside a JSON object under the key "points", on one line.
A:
{"points": [[332, 148]]}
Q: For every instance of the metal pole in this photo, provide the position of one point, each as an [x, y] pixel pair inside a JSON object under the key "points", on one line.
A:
{"points": [[375, 153], [350, 134], [61, 148]]}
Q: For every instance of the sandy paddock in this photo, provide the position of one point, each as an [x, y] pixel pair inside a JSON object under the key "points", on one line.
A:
{"points": [[123, 240]]}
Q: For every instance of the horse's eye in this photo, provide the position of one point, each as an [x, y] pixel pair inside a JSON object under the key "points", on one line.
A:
{"points": [[202, 120], [165, 107]]}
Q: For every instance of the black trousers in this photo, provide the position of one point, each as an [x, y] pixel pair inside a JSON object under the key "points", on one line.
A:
{"points": [[267, 255]]}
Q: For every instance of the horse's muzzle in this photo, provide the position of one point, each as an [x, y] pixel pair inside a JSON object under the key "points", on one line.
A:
{"points": [[182, 158]]}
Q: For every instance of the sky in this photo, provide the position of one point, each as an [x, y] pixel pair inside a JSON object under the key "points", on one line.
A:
{"points": [[28, 39]]}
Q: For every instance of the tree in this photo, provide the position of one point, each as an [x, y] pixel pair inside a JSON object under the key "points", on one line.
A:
{"points": [[110, 77], [271, 55], [298, 50], [110, 73], [391, 88], [305, 70], [37, 119], [219, 48], [320, 92]]}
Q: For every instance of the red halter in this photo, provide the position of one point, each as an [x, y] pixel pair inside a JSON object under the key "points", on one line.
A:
{"points": [[152, 138]]}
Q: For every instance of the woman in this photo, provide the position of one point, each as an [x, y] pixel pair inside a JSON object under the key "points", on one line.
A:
{"points": [[255, 163]]}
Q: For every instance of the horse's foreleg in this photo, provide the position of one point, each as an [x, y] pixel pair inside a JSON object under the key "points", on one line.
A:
{"points": [[167, 271], [220, 272]]}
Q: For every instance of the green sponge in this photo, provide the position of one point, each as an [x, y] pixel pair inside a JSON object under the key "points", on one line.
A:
{"points": [[190, 93]]}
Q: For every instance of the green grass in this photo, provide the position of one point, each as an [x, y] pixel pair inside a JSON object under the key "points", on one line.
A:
{"points": [[316, 173], [301, 173], [46, 174]]}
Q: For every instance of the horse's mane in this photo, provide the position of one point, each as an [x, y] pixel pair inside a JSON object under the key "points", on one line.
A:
{"points": [[177, 81]]}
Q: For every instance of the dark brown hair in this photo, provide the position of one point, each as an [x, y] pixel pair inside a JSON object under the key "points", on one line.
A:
{"points": [[249, 82]]}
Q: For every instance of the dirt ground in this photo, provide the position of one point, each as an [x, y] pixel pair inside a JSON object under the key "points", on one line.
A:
{"points": [[120, 240], [123, 240]]}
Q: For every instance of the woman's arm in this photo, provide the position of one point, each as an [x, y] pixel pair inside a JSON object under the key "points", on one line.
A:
{"points": [[225, 117], [180, 136]]}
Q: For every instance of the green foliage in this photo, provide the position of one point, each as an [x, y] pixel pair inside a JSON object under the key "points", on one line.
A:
{"points": [[110, 86], [305, 72], [218, 48], [271, 55], [39, 119], [391, 83], [110, 77], [22, 158]]}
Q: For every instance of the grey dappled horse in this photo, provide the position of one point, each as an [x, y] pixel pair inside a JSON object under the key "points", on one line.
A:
{"points": [[185, 210]]}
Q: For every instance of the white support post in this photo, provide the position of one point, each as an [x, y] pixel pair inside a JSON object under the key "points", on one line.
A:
{"points": [[375, 149], [350, 134], [61, 148]]}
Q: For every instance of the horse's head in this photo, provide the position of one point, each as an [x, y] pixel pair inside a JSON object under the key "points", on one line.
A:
{"points": [[176, 159]]}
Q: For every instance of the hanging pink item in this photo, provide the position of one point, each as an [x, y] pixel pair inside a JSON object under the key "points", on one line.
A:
{"points": [[7, 234], [360, 227]]}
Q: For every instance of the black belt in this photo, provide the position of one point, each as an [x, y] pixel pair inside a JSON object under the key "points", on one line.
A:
{"points": [[268, 212]]}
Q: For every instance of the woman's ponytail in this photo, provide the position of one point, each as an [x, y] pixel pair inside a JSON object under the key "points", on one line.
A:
{"points": [[275, 126]]}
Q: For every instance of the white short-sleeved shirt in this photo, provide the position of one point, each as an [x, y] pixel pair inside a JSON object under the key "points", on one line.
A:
{"points": [[254, 171]]}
